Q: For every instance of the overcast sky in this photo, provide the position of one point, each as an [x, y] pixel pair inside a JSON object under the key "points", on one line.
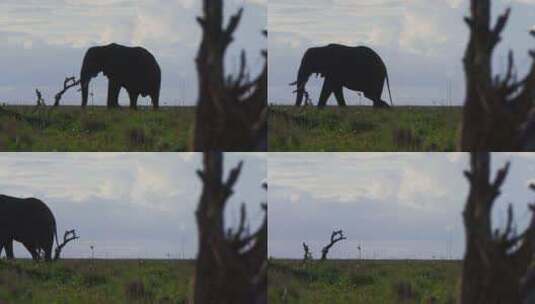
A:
{"points": [[422, 43], [43, 41], [396, 206], [132, 205]]}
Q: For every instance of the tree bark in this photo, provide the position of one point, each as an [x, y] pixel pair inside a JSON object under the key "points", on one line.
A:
{"points": [[231, 111], [231, 266], [494, 262], [496, 109]]}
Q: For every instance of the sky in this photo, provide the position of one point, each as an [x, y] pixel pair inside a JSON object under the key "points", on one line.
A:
{"points": [[422, 43], [128, 205], [44, 41], [395, 206]]}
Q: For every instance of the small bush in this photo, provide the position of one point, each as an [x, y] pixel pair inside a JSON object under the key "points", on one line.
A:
{"points": [[404, 291], [136, 138], [135, 291], [92, 124]]}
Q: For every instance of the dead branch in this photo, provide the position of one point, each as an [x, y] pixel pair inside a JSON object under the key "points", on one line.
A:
{"points": [[40, 101], [67, 84], [495, 114], [336, 236], [70, 235], [231, 264], [495, 262], [231, 111], [308, 254]]}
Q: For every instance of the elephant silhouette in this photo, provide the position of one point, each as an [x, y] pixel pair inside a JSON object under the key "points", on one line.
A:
{"points": [[355, 68], [28, 221], [133, 68]]}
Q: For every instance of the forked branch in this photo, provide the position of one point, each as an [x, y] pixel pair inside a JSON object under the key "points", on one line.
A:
{"points": [[67, 84], [69, 236], [336, 236]]}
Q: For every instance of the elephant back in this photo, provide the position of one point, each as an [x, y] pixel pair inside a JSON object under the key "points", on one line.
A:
{"points": [[25, 212]]}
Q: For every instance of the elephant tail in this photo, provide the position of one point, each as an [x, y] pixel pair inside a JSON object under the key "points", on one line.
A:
{"points": [[56, 235], [388, 86]]}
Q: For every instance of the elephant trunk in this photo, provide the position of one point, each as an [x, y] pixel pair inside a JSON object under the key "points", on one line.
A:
{"points": [[302, 79], [85, 91]]}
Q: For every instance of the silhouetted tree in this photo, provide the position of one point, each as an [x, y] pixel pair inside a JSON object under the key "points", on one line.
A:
{"points": [[70, 235], [231, 265], [495, 261], [336, 236], [496, 111], [40, 101], [232, 110], [67, 84], [308, 254]]}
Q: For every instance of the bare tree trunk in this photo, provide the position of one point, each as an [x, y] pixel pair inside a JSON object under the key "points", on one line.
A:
{"points": [[336, 236], [231, 111], [495, 261], [40, 101], [308, 254], [495, 113], [231, 266], [69, 236], [67, 84]]}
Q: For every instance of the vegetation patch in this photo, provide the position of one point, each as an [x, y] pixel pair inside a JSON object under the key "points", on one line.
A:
{"points": [[363, 129]]}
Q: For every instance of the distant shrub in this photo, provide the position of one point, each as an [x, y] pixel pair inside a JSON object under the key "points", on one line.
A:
{"points": [[92, 279], [135, 291], [137, 137], [92, 124], [406, 139], [360, 280], [404, 291]]}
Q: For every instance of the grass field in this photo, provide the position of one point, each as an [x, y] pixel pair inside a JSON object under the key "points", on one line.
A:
{"points": [[363, 129], [95, 129], [96, 281], [346, 281]]}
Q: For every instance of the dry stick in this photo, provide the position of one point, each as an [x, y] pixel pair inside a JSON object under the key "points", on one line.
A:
{"points": [[40, 100], [336, 236], [231, 264], [67, 84], [495, 114], [231, 111], [308, 254], [70, 235], [494, 262]]}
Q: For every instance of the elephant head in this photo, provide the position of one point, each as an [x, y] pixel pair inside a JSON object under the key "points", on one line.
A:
{"points": [[92, 65], [313, 62]]}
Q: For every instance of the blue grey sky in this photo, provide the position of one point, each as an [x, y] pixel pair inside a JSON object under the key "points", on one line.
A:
{"points": [[43, 41], [131, 205], [422, 43], [396, 206]]}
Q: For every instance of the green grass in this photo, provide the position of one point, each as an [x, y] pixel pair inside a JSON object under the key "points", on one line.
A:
{"points": [[363, 129], [94, 282], [95, 129], [346, 281]]}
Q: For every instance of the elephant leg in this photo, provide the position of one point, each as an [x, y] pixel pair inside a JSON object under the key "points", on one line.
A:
{"points": [[155, 98], [339, 94], [9, 250], [377, 102], [133, 100], [113, 94], [48, 254], [326, 91], [33, 251]]}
